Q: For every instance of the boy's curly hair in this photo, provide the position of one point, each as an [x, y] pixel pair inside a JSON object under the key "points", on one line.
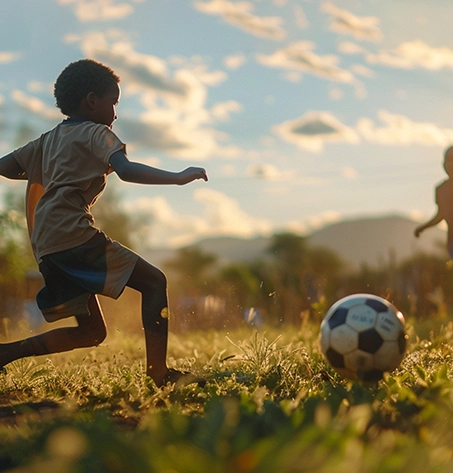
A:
{"points": [[79, 79]]}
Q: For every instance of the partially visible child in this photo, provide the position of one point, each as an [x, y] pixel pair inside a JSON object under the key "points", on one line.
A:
{"points": [[67, 169], [444, 201]]}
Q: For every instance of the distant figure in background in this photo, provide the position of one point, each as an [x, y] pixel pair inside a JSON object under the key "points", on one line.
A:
{"points": [[66, 169], [444, 201]]}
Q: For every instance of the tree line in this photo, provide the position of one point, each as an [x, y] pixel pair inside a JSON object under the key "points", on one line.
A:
{"points": [[292, 282]]}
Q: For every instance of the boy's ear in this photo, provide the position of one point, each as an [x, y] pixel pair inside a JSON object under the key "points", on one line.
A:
{"points": [[91, 100]]}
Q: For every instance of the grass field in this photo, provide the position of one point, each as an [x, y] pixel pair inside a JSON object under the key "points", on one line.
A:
{"points": [[270, 404]]}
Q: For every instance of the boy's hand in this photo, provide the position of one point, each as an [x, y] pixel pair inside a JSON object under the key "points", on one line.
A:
{"points": [[419, 230], [191, 174], [10, 168]]}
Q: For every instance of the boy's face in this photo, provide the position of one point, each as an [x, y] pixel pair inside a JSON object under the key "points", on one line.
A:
{"points": [[105, 109], [448, 166]]}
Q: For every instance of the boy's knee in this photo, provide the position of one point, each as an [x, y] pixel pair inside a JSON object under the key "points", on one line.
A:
{"points": [[155, 281], [146, 278], [92, 336], [91, 332], [99, 335], [161, 279]]}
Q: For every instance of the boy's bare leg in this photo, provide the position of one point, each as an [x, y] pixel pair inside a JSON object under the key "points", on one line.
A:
{"points": [[156, 355], [91, 331], [152, 284]]}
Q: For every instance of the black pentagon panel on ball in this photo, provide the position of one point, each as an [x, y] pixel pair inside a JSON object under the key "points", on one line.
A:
{"points": [[338, 317], [378, 306], [371, 376], [370, 340], [335, 359]]}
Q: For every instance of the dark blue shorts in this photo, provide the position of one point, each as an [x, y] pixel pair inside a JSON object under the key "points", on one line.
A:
{"points": [[100, 266]]}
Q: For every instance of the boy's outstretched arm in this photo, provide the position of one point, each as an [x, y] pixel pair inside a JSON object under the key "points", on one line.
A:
{"points": [[10, 168], [142, 174]]}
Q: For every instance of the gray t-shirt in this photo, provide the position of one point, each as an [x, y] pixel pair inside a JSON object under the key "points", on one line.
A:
{"points": [[66, 170]]}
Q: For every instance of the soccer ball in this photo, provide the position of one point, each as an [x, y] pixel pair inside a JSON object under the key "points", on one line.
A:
{"points": [[362, 337]]}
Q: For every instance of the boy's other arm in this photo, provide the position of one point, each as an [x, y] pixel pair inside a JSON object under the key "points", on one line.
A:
{"points": [[10, 168], [430, 223], [138, 173]]}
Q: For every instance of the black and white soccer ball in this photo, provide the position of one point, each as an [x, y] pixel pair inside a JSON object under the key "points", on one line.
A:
{"points": [[363, 336]]}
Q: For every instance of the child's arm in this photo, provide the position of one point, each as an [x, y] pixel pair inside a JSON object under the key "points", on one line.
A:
{"points": [[142, 174], [10, 168], [430, 223]]}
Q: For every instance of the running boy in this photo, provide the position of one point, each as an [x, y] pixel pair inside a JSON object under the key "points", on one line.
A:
{"points": [[66, 169], [444, 201]]}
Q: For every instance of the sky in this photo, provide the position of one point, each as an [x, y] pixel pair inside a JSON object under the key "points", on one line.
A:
{"points": [[303, 112]]}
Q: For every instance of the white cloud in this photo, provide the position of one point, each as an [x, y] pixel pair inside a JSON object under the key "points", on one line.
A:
{"points": [[224, 215], [99, 10], [167, 227], [228, 170], [269, 172], [299, 56], [301, 19], [220, 215], [362, 70], [344, 22], [293, 76], [413, 54], [240, 14], [175, 118], [222, 110], [144, 72], [416, 215], [349, 173], [313, 129], [408, 55], [400, 130], [209, 77], [348, 47], [35, 106], [40, 87], [336, 93], [179, 139], [296, 226], [235, 61], [313, 222], [196, 64], [7, 57], [324, 218]]}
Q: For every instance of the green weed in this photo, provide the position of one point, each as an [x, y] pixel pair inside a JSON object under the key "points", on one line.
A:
{"points": [[270, 404]]}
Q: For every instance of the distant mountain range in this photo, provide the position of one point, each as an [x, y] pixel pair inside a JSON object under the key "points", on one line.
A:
{"points": [[376, 241], [372, 241]]}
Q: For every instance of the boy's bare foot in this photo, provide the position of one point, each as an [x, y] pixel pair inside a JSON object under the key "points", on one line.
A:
{"points": [[181, 379]]}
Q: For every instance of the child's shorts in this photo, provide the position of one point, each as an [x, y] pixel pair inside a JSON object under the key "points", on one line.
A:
{"points": [[100, 266]]}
